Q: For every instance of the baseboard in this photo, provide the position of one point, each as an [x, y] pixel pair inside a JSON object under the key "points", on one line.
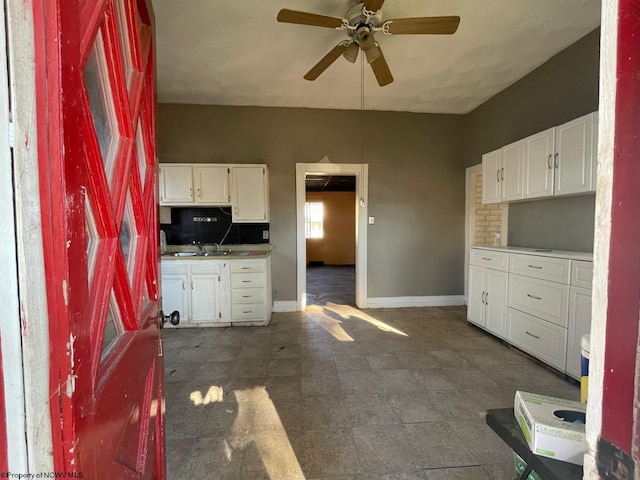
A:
{"points": [[285, 306], [399, 302]]}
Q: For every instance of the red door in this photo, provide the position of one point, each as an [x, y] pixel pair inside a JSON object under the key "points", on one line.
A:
{"points": [[95, 105]]}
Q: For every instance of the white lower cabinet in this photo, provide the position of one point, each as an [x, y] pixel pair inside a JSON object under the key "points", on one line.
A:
{"points": [[193, 289], [487, 298], [217, 292], [540, 303], [540, 338], [250, 290], [579, 325]]}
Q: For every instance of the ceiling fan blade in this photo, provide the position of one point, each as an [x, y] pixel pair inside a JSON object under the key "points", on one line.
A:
{"points": [[381, 70], [373, 5], [423, 25], [325, 62], [304, 18]]}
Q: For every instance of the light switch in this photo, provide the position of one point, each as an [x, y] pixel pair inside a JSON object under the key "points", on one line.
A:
{"points": [[372, 220]]}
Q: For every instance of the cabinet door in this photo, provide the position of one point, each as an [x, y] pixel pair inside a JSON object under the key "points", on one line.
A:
{"points": [[250, 194], [174, 295], [475, 302], [205, 297], [575, 157], [511, 173], [539, 168], [491, 165], [176, 184], [579, 325], [496, 303], [212, 185]]}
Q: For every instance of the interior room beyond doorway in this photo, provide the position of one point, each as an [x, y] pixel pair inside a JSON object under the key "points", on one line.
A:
{"points": [[330, 235]]}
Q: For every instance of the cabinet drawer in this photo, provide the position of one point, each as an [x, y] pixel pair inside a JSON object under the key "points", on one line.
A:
{"points": [[174, 267], [581, 273], [248, 311], [247, 295], [489, 259], [541, 339], [543, 299], [240, 280], [546, 268], [206, 267], [243, 266]]}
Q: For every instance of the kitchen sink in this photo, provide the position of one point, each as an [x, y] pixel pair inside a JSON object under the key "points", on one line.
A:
{"points": [[196, 254]]}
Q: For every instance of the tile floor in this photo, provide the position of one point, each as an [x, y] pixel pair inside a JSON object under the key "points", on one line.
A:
{"points": [[342, 394], [331, 283]]}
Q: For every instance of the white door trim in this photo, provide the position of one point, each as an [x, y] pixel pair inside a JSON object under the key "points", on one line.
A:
{"points": [[361, 172], [11, 342]]}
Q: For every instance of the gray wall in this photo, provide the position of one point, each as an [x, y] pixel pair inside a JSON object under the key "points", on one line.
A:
{"points": [[560, 90], [416, 182]]}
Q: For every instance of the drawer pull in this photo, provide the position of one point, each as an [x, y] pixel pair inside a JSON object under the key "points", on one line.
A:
{"points": [[247, 311], [534, 297], [532, 335], [246, 281], [535, 266], [246, 268], [246, 296], [485, 258]]}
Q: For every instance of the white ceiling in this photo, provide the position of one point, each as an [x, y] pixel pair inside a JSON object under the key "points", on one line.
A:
{"points": [[233, 52]]}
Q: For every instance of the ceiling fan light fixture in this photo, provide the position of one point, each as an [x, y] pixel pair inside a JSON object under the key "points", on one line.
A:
{"points": [[351, 53], [372, 53]]}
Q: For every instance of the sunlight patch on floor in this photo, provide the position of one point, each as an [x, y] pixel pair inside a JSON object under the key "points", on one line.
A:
{"points": [[330, 324], [347, 311], [214, 394]]}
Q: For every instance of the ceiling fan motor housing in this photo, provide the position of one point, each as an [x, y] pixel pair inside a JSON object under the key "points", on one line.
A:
{"points": [[356, 18]]}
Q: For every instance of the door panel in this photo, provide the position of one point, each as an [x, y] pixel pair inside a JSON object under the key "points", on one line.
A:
{"points": [[99, 209]]}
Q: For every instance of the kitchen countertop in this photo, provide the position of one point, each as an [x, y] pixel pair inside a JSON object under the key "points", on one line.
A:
{"points": [[236, 252], [541, 252]]}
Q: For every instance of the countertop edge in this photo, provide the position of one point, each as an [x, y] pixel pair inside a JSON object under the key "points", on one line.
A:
{"points": [[583, 256]]}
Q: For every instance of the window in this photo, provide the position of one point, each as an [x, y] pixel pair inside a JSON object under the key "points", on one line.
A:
{"points": [[313, 216]]}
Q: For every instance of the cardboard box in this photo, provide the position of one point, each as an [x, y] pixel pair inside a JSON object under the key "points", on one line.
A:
{"points": [[544, 429]]}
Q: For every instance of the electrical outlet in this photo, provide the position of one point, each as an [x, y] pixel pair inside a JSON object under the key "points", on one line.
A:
{"points": [[265, 234], [372, 220]]}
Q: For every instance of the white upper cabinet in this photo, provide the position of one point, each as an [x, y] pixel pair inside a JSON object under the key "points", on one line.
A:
{"points": [[511, 173], [539, 164], [244, 187], [212, 184], [250, 193], [576, 156], [558, 161], [491, 186], [502, 174], [562, 160], [176, 185]]}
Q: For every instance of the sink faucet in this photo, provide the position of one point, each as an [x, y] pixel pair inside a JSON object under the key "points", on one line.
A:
{"points": [[200, 245], [217, 247]]}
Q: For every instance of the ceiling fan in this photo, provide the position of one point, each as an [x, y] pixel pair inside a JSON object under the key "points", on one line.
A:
{"points": [[361, 22]]}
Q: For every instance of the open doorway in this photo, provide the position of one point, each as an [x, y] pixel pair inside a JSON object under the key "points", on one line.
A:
{"points": [[359, 208], [330, 234]]}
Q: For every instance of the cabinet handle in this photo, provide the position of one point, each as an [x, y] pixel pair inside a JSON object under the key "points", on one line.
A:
{"points": [[502, 173], [485, 258], [199, 195], [246, 281], [247, 311], [549, 161], [246, 296], [534, 297], [486, 298], [498, 174], [483, 298], [556, 161], [246, 268], [532, 335], [191, 284], [184, 287], [535, 266]]}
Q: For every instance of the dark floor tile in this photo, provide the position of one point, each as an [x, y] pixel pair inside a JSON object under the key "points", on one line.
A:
{"points": [[327, 452], [438, 445], [385, 449]]}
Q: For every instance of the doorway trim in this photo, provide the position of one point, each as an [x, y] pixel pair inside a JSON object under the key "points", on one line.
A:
{"points": [[361, 172]]}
